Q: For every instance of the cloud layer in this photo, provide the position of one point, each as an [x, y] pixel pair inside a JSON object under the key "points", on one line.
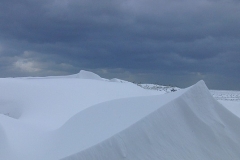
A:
{"points": [[167, 41]]}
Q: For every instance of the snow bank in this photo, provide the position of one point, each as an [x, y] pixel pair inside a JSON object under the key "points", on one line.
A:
{"points": [[88, 75], [85, 117], [192, 126]]}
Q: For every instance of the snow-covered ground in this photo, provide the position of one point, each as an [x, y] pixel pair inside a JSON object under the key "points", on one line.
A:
{"points": [[161, 88], [230, 99], [224, 95], [86, 117]]}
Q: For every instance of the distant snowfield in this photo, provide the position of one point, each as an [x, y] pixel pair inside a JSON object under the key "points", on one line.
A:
{"points": [[230, 99], [86, 117]]}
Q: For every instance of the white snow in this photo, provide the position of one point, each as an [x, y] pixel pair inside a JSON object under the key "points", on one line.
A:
{"points": [[86, 117], [234, 107]]}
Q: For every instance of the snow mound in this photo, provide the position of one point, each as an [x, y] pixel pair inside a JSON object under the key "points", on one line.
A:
{"points": [[81, 75], [191, 126], [88, 75], [84, 117]]}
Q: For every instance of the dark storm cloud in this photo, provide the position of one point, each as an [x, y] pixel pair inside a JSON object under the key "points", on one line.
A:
{"points": [[177, 42]]}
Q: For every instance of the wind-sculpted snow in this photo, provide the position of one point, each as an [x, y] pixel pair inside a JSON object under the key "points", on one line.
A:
{"points": [[88, 75], [86, 117], [192, 126], [101, 121]]}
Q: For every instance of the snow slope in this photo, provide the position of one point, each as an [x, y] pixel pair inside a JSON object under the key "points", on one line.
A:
{"points": [[191, 126], [86, 117], [230, 100]]}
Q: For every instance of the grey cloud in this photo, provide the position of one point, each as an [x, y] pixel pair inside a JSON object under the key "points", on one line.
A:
{"points": [[152, 41]]}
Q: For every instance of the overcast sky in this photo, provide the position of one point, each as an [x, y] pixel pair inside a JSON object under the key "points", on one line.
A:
{"points": [[170, 42]]}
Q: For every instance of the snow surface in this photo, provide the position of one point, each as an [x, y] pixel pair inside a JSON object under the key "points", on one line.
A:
{"points": [[86, 117], [224, 95]]}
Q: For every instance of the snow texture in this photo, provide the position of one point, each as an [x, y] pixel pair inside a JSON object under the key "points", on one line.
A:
{"points": [[86, 117]]}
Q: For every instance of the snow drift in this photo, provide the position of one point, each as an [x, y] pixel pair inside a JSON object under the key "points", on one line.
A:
{"points": [[88, 75], [191, 126], [86, 117]]}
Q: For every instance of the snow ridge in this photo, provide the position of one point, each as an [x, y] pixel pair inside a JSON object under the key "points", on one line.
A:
{"points": [[86, 117], [88, 75], [192, 126]]}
